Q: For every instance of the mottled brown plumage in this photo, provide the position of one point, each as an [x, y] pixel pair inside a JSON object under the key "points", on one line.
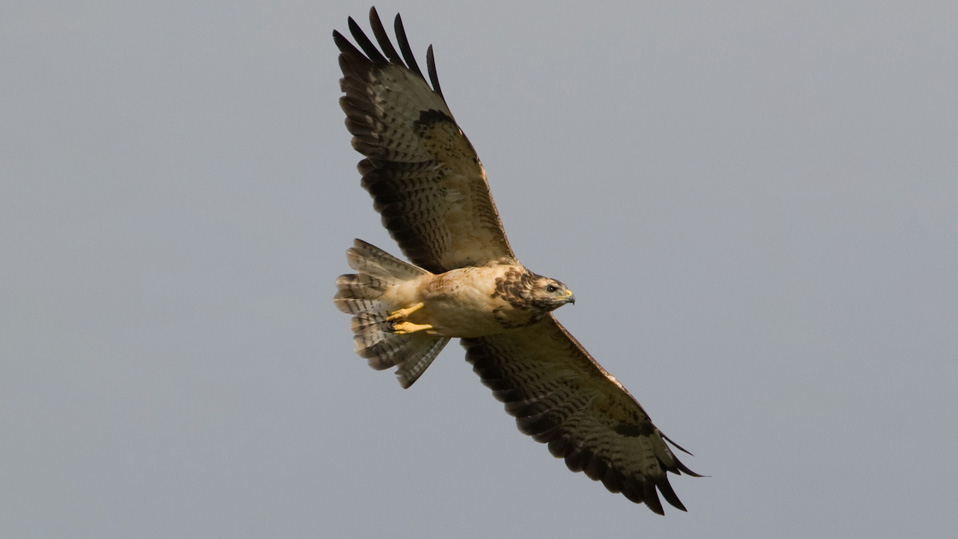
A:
{"points": [[465, 282], [424, 175]]}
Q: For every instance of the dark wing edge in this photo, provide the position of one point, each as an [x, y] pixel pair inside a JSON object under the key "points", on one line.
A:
{"points": [[423, 174], [562, 397], [406, 60]]}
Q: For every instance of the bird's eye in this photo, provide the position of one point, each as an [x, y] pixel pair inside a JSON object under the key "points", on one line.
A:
{"points": [[550, 288]]}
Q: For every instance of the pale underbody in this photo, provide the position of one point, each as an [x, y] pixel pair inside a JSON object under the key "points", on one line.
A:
{"points": [[458, 303]]}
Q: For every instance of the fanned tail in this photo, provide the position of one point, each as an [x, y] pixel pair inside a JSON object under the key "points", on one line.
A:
{"points": [[361, 295]]}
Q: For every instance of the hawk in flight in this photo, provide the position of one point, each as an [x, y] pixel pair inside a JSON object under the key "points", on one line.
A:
{"points": [[465, 282]]}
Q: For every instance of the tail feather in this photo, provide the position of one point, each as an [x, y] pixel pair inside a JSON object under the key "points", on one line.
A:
{"points": [[410, 370], [361, 286], [362, 296], [359, 293], [370, 260]]}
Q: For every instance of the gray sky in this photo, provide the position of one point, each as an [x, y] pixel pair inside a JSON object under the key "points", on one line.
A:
{"points": [[755, 204]]}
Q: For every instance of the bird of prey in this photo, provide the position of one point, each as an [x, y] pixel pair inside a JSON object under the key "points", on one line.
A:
{"points": [[464, 281]]}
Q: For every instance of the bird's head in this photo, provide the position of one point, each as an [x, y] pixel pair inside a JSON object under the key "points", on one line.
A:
{"points": [[549, 294]]}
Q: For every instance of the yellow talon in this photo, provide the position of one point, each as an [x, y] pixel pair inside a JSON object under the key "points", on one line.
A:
{"points": [[403, 328], [403, 313]]}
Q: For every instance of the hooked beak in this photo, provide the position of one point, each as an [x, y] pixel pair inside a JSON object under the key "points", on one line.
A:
{"points": [[569, 296]]}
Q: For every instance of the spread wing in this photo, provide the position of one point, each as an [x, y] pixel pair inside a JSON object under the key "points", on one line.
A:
{"points": [[424, 175], [561, 396]]}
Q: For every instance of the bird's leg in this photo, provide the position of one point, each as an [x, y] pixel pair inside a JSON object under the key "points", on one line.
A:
{"points": [[404, 327], [403, 313]]}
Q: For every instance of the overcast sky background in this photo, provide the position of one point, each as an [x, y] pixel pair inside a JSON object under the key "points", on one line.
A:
{"points": [[755, 203]]}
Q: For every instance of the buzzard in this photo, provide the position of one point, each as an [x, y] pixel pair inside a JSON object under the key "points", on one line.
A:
{"points": [[465, 282]]}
